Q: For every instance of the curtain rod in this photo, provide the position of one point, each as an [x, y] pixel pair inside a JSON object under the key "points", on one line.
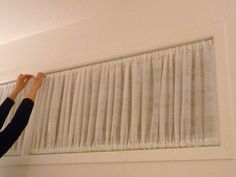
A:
{"points": [[120, 57]]}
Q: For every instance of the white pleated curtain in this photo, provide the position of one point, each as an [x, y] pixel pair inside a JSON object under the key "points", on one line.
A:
{"points": [[159, 99]]}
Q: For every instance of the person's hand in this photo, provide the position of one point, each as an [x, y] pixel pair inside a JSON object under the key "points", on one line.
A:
{"points": [[36, 84], [38, 80], [22, 81]]}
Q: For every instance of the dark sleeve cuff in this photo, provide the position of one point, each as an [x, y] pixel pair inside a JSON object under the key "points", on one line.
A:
{"points": [[28, 101], [10, 101]]}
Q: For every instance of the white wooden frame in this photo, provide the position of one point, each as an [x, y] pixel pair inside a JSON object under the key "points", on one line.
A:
{"points": [[224, 151]]}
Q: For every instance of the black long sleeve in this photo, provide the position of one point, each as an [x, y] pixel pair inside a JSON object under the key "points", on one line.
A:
{"points": [[14, 129], [5, 109]]}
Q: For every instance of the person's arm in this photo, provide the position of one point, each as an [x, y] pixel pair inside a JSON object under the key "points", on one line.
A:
{"points": [[6, 106], [14, 129], [5, 109]]}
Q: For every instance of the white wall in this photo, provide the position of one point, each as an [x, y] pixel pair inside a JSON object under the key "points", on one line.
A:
{"points": [[130, 26]]}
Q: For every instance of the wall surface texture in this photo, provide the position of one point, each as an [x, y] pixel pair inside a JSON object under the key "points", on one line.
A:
{"points": [[128, 27]]}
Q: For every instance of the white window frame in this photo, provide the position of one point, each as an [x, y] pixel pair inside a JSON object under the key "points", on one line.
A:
{"points": [[224, 151]]}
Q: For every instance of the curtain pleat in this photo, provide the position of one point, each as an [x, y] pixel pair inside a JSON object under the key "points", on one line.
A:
{"points": [[101, 110], [185, 121], [126, 106], [156, 93], [110, 104]]}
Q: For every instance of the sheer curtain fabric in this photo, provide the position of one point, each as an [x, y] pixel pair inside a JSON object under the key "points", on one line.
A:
{"points": [[160, 99]]}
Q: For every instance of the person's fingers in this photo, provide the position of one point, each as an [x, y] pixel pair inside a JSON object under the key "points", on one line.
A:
{"points": [[41, 75], [20, 76], [25, 76], [27, 79], [28, 75]]}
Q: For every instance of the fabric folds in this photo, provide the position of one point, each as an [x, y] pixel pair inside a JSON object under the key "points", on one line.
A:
{"points": [[160, 99]]}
